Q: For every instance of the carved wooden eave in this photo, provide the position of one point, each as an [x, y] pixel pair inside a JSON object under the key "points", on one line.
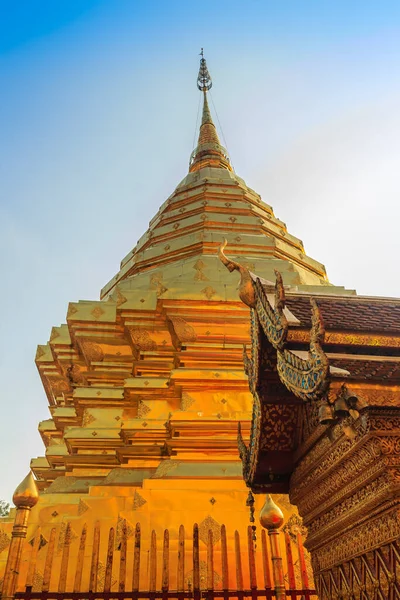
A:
{"points": [[303, 349], [326, 428], [280, 382]]}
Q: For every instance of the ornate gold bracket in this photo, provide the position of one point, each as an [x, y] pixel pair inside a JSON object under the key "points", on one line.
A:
{"points": [[273, 320], [246, 286], [243, 450], [307, 379]]}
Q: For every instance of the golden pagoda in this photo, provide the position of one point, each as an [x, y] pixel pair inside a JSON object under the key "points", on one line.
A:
{"points": [[146, 386]]}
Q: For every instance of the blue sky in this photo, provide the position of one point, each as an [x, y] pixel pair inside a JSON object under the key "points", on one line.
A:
{"points": [[97, 118]]}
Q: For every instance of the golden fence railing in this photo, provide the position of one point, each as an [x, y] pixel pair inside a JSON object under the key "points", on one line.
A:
{"points": [[118, 563]]}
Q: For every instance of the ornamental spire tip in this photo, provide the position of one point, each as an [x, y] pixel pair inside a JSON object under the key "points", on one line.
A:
{"points": [[204, 82]]}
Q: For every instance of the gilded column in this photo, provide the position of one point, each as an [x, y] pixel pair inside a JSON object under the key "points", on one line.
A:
{"points": [[25, 497]]}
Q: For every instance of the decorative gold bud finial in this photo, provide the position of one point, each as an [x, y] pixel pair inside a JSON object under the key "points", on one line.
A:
{"points": [[271, 516], [26, 495]]}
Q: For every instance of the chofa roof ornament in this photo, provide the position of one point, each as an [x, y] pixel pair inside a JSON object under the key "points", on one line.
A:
{"points": [[246, 287]]}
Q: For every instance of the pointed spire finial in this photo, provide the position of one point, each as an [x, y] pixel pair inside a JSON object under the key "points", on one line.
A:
{"points": [[208, 152], [204, 82]]}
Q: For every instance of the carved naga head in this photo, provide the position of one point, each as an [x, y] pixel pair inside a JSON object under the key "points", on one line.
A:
{"points": [[246, 289]]}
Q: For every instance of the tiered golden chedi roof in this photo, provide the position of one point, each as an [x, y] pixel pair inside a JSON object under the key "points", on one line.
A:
{"points": [[146, 386], [150, 378], [211, 203]]}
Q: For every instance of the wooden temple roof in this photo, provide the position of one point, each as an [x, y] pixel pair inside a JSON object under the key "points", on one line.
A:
{"points": [[352, 313], [310, 351]]}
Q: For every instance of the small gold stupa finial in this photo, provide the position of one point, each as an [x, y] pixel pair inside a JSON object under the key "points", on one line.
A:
{"points": [[26, 495], [271, 516]]}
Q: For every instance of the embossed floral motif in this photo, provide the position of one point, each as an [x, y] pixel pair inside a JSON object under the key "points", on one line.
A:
{"points": [[59, 385], [183, 331], [75, 375], [279, 427], [138, 500], [357, 540], [54, 334], [37, 582], [120, 297], [42, 542], [101, 575], [209, 524], [209, 292], [39, 353], [97, 312], [199, 266], [119, 531], [82, 507], [156, 283], [294, 526], [186, 401], [66, 535], [203, 577], [141, 339], [92, 351], [143, 409], [4, 540], [72, 310], [165, 467], [347, 508]]}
